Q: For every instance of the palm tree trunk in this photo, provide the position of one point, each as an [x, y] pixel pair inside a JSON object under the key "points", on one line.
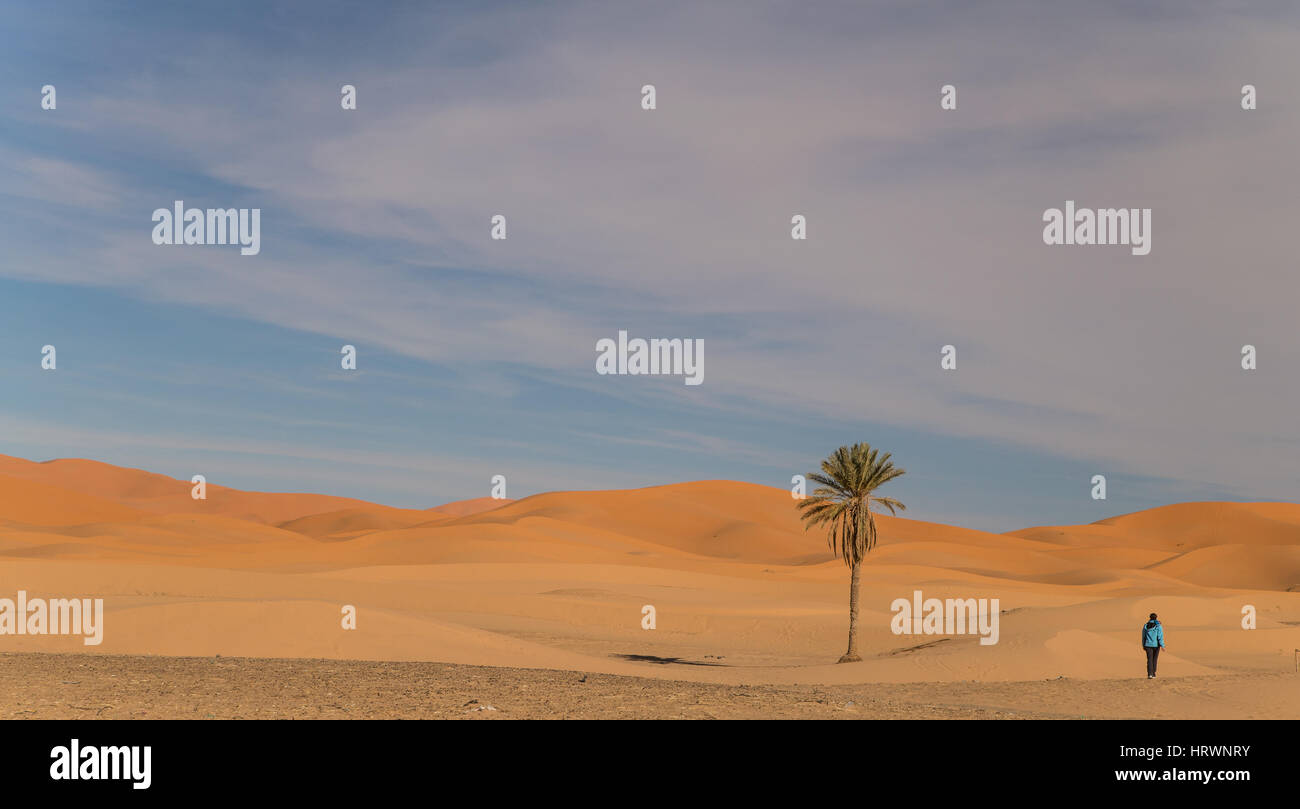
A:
{"points": [[851, 656]]}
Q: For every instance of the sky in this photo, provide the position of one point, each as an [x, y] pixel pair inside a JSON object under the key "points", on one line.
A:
{"points": [[476, 357]]}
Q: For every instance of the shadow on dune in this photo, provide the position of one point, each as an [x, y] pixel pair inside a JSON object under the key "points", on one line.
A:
{"points": [[663, 661], [915, 648]]}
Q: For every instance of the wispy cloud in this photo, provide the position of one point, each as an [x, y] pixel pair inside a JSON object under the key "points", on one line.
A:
{"points": [[924, 225]]}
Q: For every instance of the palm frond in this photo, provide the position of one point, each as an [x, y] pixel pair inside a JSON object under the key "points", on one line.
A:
{"points": [[842, 501]]}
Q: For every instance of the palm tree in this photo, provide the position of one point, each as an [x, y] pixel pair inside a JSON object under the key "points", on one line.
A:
{"points": [[848, 481]]}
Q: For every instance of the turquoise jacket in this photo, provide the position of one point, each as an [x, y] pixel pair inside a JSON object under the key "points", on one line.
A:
{"points": [[1153, 634]]}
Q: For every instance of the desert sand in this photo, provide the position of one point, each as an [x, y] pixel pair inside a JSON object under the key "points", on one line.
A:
{"points": [[744, 597]]}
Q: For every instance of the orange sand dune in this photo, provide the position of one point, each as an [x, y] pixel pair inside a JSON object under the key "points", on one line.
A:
{"points": [[1270, 567], [742, 593], [716, 518], [1184, 527], [31, 503], [147, 491], [464, 508], [351, 522]]}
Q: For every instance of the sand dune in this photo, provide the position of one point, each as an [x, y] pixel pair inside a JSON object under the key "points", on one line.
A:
{"points": [[464, 508], [146, 491], [352, 522], [31, 503], [722, 519], [742, 593], [1184, 527]]}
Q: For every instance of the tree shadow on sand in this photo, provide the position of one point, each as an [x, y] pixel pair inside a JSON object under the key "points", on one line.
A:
{"points": [[663, 661]]}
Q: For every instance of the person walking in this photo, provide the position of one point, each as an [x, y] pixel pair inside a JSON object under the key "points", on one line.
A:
{"points": [[1153, 640]]}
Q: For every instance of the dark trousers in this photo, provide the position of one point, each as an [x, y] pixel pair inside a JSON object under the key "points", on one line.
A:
{"points": [[1153, 652]]}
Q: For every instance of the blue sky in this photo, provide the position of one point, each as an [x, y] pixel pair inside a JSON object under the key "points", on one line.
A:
{"points": [[477, 357]]}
